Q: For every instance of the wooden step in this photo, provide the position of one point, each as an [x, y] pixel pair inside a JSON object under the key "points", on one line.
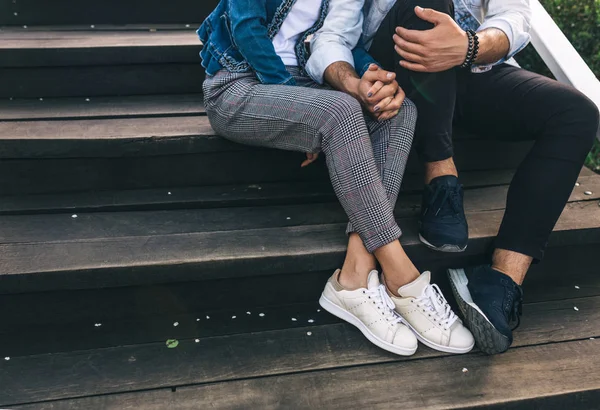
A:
{"points": [[160, 132], [221, 196], [42, 62], [43, 252], [66, 46], [233, 370], [74, 12], [121, 143], [61, 320]]}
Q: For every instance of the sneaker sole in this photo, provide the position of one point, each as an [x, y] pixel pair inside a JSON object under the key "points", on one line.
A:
{"points": [[353, 320], [488, 338], [435, 346], [443, 248]]}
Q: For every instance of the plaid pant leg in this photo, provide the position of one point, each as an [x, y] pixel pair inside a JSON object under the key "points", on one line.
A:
{"points": [[392, 141], [309, 119]]}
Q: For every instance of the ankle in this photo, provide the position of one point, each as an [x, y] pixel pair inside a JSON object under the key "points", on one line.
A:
{"points": [[517, 278], [352, 279], [439, 169]]}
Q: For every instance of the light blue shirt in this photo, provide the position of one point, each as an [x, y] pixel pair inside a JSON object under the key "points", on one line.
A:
{"points": [[348, 19]]}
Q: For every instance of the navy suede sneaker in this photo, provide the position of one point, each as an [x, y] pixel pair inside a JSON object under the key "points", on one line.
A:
{"points": [[443, 225], [489, 302]]}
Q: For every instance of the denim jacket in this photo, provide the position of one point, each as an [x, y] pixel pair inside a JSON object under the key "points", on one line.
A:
{"points": [[511, 16], [237, 36]]}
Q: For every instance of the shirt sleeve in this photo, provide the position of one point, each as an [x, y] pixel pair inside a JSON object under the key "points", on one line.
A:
{"points": [[513, 17], [337, 38], [252, 40]]}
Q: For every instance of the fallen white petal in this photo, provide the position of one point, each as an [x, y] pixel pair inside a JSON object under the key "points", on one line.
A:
{"points": [[176, 324], [465, 370], [576, 308], [309, 333]]}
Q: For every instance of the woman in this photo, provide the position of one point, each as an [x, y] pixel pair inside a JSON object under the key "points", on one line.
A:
{"points": [[257, 92]]}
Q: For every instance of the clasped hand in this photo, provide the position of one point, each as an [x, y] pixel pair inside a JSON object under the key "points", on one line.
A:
{"points": [[379, 94]]}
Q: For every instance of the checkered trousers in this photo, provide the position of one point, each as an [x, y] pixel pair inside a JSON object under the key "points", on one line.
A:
{"points": [[365, 158]]}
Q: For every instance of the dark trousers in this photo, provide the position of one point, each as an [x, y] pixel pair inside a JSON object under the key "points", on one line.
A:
{"points": [[504, 103]]}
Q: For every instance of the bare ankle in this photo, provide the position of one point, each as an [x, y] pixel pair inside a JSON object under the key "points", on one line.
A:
{"points": [[439, 168], [513, 264], [353, 279]]}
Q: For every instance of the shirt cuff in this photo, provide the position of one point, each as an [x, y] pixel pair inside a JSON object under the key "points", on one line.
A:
{"points": [[507, 28], [324, 56]]}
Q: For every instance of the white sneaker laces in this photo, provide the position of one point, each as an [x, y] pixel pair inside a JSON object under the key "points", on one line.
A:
{"points": [[384, 303], [433, 300]]}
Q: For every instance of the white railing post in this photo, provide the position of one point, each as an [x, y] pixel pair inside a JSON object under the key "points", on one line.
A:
{"points": [[560, 56]]}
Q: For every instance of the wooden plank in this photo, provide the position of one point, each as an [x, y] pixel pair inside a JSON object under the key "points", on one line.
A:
{"points": [[277, 193], [62, 321], [362, 374], [65, 12], [212, 255], [65, 38], [97, 174], [72, 308], [245, 166], [101, 107], [122, 137], [63, 47], [101, 225], [92, 81]]}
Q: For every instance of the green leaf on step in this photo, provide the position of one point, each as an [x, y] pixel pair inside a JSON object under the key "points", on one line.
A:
{"points": [[172, 343]]}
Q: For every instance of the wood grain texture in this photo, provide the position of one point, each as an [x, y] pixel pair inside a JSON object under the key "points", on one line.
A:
{"points": [[64, 47], [101, 107], [258, 354], [101, 225], [195, 161], [75, 308], [149, 259], [275, 193], [553, 369]]}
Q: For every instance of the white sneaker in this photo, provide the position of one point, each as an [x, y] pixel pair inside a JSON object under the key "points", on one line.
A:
{"points": [[372, 311], [429, 315]]}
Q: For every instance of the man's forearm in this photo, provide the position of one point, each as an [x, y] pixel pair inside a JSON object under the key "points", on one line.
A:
{"points": [[493, 46], [343, 77]]}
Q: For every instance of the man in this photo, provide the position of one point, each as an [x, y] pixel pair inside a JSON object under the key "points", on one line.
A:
{"points": [[454, 61]]}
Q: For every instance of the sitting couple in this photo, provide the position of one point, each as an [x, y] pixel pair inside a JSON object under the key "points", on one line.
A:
{"points": [[345, 96]]}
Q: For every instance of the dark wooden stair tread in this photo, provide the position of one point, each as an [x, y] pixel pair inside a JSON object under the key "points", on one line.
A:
{"points": [[51, 251], [223, 370], [65, 46], [101, 107], [76, 12]]}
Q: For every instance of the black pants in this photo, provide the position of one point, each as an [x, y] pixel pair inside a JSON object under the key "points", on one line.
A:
{"points": [[504, 103]]}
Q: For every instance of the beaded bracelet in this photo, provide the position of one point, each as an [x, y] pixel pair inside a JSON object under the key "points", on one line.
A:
{"points": [[473, 49]]}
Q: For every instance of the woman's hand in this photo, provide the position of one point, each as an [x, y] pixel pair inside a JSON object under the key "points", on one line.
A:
{"points": [[380, 93], [310, 158]]}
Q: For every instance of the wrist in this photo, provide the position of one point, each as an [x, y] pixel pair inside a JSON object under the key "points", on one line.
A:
{"points": [[351, 87]]}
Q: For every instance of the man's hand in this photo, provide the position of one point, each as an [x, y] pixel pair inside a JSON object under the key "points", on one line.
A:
{"points": [[379, 93], [443, 47]]}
